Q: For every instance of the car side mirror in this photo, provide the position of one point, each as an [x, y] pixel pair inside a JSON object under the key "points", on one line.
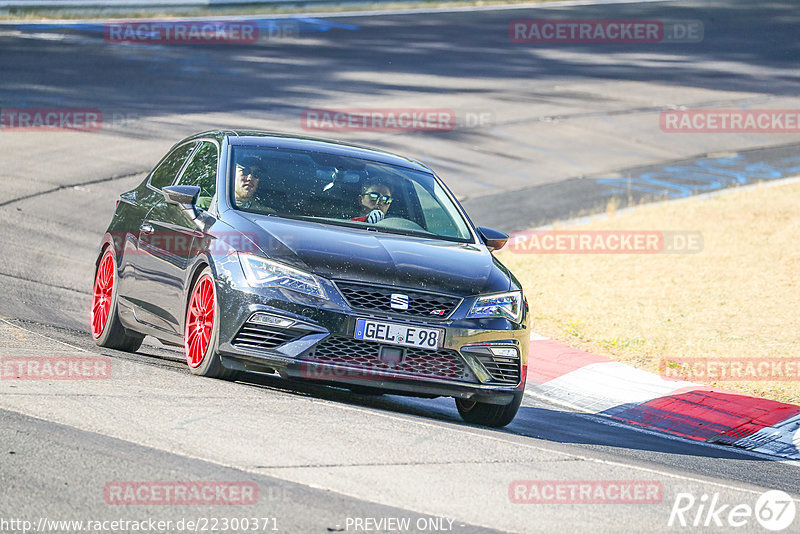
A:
{"points": [[494, 239], [182, 195]]}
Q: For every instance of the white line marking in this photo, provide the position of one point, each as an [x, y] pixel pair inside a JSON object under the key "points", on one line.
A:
{"points": [[44, 336], [589, 458]]}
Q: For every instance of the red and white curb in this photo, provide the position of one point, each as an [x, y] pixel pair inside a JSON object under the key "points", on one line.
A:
{"points": [[595, 384]]}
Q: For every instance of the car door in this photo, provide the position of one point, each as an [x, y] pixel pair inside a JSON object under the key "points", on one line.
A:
{"points": [[170, 238], [138, 204]]}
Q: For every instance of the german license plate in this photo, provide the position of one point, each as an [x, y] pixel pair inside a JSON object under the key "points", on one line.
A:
{"points": [[399, 334]]}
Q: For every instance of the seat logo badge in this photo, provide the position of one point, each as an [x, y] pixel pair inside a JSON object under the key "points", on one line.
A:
{"points": [[399, 301]]}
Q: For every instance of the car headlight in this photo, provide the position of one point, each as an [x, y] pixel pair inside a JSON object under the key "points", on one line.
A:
{"points": [[506, 305], [261, 272]]}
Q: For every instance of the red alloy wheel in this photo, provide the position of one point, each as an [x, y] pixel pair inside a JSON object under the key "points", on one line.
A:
{"points": [[199, 321], [103, 292]]}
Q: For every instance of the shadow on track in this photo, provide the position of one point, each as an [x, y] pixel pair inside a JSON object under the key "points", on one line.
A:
{"points": [[742, 40], [547, 424]]}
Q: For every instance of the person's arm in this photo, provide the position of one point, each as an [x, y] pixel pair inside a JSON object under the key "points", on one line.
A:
{"points": [[372, 217]]}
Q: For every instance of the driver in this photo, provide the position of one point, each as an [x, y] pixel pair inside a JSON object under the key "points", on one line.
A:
{"points": [[249, 172], [374, 200]]}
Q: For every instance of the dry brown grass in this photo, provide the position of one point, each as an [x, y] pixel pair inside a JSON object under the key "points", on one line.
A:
{"points": [[739, 297]]}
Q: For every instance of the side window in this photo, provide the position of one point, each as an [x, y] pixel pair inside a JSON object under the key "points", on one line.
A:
{"points": [[166, 173], [202, 172]]}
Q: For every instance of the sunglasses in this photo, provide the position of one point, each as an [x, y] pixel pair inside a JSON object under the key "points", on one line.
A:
{"points": [[377, 197], [246, 171]]}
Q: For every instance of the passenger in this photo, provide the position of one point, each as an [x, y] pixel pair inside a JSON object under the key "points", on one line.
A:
{"points": [[375, 200]]}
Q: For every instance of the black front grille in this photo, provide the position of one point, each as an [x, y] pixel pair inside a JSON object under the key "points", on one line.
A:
{"points": [[365, 355], [502, 368], [258, 336], [377, 298]]}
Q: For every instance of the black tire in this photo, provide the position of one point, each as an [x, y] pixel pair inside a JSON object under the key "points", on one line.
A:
{"points": [[494, 415], [114, 335], [211, 364]]}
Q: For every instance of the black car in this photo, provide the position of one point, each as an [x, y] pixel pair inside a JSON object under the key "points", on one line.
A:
{"points": [[318, 260]]}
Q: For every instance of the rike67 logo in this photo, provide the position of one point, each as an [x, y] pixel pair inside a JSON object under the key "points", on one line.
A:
{"points": [[774, 510]]}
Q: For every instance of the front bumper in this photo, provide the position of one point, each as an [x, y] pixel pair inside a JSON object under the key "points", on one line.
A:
{"points": [[306, 338]]}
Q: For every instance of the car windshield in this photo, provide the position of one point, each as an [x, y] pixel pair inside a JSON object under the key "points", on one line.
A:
{"points": [[343, 190]]}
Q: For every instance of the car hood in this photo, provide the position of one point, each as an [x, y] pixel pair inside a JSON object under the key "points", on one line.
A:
{"points": [[341, 253]]}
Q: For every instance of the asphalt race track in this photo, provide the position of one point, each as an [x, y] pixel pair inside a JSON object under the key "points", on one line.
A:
{"points": [[543, 132]]}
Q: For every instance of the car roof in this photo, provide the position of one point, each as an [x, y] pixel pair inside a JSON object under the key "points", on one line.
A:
{"points": [[312, 144]]}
